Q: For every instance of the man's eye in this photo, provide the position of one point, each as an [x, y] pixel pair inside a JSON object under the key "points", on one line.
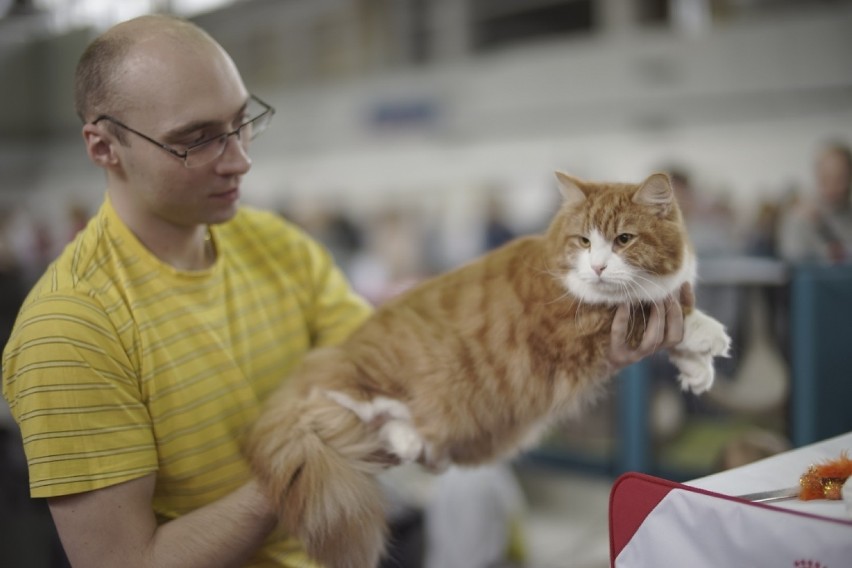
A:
{"points": [[193, 138]]}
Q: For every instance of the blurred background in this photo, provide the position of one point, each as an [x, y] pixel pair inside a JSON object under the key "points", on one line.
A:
{"points": [[412, 135]]}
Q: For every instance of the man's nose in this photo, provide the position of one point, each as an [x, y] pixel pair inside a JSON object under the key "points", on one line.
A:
{"points": [[235, 158]]}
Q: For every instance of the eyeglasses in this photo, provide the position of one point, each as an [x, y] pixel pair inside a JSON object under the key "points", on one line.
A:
{"points": [[209, 149]]}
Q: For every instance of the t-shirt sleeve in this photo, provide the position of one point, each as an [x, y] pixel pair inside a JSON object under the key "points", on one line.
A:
{"points": [[336, 310], [72, 389]]}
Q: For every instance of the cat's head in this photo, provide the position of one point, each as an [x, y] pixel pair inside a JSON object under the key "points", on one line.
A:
{"points": [[619, 242]]}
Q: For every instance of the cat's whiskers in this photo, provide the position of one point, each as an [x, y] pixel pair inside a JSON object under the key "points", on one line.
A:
{"points": [[556, 275], [659, 304], [576, 300], [559, 277], [578, 313], [654, 284], [628, 287], [546, 270], [644, 296], [566, 294], [655, 301]]}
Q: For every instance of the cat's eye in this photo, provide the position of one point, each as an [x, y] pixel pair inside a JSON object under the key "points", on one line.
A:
{"points": [[584, 242], [624, 238]]}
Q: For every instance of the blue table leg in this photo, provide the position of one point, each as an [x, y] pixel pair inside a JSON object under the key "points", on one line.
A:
{"points": [[634, 444], [803, 330]]}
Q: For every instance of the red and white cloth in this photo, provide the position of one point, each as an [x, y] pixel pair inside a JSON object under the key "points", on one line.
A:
{"points": [[660, 523]]}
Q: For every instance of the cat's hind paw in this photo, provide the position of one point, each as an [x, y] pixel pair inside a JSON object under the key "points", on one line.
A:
{"points": [[402, 440]]}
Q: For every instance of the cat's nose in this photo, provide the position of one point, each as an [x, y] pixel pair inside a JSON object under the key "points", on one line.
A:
{"points": [[599, 268]]}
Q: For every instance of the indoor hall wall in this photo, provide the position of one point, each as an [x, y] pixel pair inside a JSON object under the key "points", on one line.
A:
{"points": [[742, 105]]}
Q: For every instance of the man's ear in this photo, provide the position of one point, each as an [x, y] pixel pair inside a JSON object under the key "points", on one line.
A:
{"points": [[100, 145]]}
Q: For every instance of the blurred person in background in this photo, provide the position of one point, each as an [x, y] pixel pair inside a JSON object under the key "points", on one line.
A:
{"points": [[709, 220], [818, 226], [148, 346], [13, 285], [497, 231]]}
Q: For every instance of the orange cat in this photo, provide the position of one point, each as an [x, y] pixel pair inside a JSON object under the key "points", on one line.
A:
{"points": [[472, 365]]}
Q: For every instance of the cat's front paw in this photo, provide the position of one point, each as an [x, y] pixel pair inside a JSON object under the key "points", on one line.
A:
{"points": [[705, 335], [696, 370]]}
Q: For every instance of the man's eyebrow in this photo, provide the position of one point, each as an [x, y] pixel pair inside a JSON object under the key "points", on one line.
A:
{"points": [[183, 130]]}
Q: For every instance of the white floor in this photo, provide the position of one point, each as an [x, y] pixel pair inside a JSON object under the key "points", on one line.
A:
{"points": [[566, 519], [567, 522]]}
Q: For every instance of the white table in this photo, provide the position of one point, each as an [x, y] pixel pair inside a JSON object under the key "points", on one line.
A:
{"points": [[779, 471], [656, 522]]}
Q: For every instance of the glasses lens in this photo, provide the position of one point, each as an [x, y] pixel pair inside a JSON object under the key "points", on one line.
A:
{"points": [[258, 125], [204, 153]]}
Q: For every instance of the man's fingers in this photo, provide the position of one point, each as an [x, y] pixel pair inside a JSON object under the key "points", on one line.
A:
{"points": [[619, 353], [687, 296], [663, 330], [654, 331], [674, 323], [618, 331]]}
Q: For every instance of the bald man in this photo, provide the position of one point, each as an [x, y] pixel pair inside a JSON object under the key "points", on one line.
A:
{"points": [[146, 349], [144, 352]]}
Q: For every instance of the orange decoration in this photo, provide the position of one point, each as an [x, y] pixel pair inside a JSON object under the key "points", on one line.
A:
{"points": [[825, 481]]}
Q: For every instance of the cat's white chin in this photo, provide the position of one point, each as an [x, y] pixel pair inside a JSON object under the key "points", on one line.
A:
{"points": [[627, 285], [599, 292]]}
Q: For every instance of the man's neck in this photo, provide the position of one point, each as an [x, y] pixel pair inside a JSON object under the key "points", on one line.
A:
{"points": [[182, 247], [194, 252]]}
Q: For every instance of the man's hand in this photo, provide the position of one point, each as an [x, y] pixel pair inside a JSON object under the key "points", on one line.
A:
{"points": [[664, 330]]}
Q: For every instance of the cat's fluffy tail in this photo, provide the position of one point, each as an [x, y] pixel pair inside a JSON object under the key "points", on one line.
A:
{"points": [[313, 456]]}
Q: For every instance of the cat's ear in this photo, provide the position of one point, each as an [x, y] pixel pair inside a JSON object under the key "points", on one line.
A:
{"points": [[570, 188], [655, 191]]}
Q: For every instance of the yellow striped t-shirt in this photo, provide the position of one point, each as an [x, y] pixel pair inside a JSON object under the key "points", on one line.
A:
{"points": [[120, 365]]}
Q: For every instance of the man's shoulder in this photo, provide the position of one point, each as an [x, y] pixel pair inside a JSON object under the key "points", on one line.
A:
{"points": [[83, 273], [268, 230], [68, 275], [49, 297], [262, 221]]}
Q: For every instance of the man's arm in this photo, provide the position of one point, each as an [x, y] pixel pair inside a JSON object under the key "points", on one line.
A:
{"points": [[116, 526]]}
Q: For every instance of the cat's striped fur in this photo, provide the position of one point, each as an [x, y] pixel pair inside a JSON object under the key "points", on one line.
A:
{"points": [[472, 365]]}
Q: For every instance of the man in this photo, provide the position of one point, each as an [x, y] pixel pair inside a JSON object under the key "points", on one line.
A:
{"points": [[819, 227], [146, 349]]}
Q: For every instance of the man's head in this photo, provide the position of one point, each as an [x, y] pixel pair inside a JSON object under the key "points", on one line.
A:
{"points": [[110, 66], [158, 81], [833, 169]]}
